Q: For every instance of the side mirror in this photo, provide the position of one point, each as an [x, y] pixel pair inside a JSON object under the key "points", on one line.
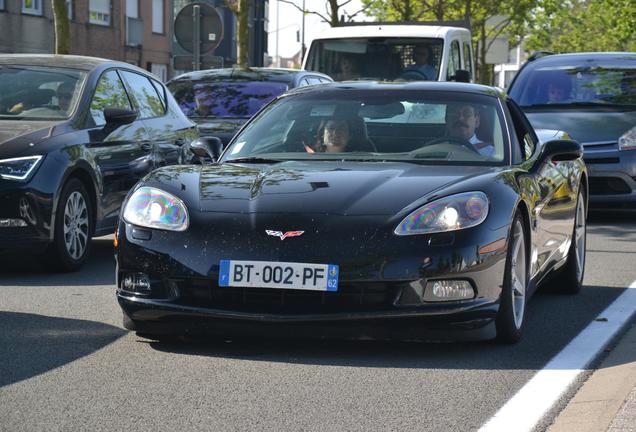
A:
{"points": [[560, 150], [119, 116], [461, 75], [211, 147]]}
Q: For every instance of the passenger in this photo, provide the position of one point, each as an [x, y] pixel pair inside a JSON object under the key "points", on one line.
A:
{"points": [[423, 58], [559, 92], [462, 120], [348, 70], [65, 95], [335, 136]]}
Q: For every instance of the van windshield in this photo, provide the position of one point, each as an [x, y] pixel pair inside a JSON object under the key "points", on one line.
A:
{"points": [[385, 59]]}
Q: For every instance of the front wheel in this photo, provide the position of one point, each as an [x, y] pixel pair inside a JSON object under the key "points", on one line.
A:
{"points": [[570, 278], [73, 229], [512, 302]]}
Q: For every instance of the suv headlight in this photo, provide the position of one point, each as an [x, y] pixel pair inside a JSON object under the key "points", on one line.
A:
{"points": [[450, 213], [628, 140], [18, 168], [154, 208]]}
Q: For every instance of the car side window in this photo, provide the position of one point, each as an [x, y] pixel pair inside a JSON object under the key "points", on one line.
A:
{"points": [[524, 130], [109, 93], [161, 92], [454, 60], [468, 61], [313, 80], [146, 98]]}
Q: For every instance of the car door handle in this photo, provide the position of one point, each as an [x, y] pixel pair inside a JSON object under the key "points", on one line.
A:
{"points": [[179, 142], [146, 146]]}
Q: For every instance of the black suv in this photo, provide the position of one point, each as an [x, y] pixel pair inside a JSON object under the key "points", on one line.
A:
{"points": [[76, 133]]}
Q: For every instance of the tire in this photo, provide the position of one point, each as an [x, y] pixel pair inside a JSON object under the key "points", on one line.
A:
{"points": [[73, 229], [570, 278], [512, 302]]}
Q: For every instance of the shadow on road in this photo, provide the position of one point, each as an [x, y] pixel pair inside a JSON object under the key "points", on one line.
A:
{"points": [[34, 344], [553, 320], [21, 269], [615, 225]]}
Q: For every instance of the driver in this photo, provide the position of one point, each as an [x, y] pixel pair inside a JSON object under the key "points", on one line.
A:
{"points": [[461, 122]]}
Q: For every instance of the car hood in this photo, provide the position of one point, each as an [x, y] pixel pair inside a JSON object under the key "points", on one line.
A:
{"points": [[224, 129], [316, 187], [586, 126], [16, 136]]}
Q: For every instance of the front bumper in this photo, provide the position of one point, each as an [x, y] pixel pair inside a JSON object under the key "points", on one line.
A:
{"points": [[380, 292], [32, 208], [612, 174]]}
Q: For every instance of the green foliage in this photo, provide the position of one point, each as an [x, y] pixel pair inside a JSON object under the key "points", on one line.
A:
{"points": [[582, 25]]}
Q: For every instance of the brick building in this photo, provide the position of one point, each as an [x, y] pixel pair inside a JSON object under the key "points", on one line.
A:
{"points": [[135, 31]]}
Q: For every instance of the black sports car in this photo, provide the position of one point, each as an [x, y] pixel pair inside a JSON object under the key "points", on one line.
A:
{"points": [[355, 210], [76, 133]]}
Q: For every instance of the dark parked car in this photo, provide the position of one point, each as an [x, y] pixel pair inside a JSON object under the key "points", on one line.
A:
{"points": [[76, 133], [392, 210], [592, 96], [220, 101]]}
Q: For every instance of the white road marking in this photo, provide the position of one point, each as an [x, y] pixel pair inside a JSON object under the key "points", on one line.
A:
{"points": [[528, 406]]}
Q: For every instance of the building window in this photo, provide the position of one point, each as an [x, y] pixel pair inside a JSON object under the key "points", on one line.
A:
{"points": [[69, 3], [32, 7], [1, 4], [157, 16], [132, 8], [99, 12]]}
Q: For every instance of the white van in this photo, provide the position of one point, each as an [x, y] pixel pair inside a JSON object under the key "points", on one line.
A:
{"points": [[391, 52]]}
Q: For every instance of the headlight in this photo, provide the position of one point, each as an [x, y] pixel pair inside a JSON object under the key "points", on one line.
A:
{"points": [[628, 140], [18, 168], [153, 208], [450, 213]]}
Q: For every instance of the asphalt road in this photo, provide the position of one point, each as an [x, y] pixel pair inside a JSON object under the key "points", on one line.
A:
{"points": [[67, 364]]}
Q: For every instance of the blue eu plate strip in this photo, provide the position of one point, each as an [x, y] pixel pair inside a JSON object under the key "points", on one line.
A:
{"points": [[224, 273], [332, 277]]}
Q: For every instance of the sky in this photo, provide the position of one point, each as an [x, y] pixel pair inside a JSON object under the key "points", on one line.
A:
{"points": [[291, 22]]}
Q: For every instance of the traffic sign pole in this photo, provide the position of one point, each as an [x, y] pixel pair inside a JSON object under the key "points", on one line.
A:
{"points": [[196, 38]]}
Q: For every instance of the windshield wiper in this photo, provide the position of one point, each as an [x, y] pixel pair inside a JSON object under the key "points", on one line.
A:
{"points": [[252, 159]]}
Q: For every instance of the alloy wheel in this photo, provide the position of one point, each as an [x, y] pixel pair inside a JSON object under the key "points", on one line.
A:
{"points": [[518, 271], [76, 228], [579, 237]]}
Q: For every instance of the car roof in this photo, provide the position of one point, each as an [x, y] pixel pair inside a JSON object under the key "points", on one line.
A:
{"points": [[584, 57], [67, 61], [441, 86], [254, 73], [367, 30]]}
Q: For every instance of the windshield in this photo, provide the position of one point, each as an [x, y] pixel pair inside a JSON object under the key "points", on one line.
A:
{"points": [[415, 126], [38, 93], [576, 85], [224, 99], [377, 58]]}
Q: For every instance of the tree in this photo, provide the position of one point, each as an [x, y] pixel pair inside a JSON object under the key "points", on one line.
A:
{"points": [[241, 9], [582, 25], [61, 26], [332, 11]]}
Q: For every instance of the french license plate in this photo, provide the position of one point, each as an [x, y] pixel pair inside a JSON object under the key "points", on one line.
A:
{"points": [[285, 275]]}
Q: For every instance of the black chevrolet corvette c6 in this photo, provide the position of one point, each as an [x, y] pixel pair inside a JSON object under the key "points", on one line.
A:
{"points": [[406, 211]]}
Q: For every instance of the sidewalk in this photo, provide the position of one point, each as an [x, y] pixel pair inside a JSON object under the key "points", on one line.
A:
{"points": [[607, 401]]}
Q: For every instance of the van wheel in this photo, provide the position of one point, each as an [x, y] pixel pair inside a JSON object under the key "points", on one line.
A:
{"points": [[73, 229]]}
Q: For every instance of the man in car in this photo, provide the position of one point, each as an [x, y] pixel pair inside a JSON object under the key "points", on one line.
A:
{"points": [[461, 122]]}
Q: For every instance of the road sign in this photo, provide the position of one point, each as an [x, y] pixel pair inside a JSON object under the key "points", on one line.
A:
{"points": [[210, 28]]}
